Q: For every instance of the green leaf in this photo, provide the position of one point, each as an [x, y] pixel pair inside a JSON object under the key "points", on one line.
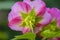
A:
{"points": [[29, 36]]}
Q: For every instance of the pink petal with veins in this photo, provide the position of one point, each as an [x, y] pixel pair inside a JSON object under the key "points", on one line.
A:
{"points": [[46, 18], [55, 12], [15, 25], [38, 5], [21, 7], [15, 17]]}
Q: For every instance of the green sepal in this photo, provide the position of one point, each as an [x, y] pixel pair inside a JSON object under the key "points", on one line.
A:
{"points": [[37, 19], [30, 19], [29, 36], [51, 31], [24, 15], [31, 16], [50, 34]]}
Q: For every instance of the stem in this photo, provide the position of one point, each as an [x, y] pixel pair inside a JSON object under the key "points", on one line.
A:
{"points": [[31, 27]]}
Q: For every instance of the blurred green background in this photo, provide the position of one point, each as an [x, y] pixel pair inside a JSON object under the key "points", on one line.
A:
{"points": [[5, 6]]}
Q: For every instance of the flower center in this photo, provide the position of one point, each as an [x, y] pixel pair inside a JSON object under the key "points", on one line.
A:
{"points": [[30, 19]]}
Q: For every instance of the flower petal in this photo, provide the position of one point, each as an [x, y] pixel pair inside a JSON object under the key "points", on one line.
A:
{"points": [[38, 28], [25, 30], [54, 12], [13, 15], [58, 38], [14, 21], [54, 39], [17, 8], [38, 5], [20, 7], [26, 0], [46, 18], [58, 22], [14, 25]]}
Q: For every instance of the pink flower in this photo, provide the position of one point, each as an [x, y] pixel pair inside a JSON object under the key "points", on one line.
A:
{"points": [[15, 18], [55, 12], [57, 16]]}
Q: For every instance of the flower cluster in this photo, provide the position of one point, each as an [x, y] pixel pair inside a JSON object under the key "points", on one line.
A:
{"points": [[34, 16]]}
